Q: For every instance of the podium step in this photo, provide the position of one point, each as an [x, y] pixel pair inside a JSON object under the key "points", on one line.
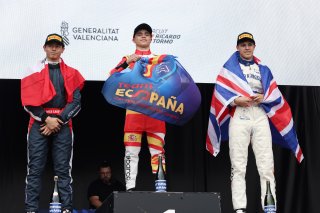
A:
{"points": [[161, 202]]}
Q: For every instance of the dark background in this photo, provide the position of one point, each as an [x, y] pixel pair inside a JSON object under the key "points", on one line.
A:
{"points": [[98, 130]]}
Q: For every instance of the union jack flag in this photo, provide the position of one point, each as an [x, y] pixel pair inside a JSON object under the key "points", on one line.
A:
{"points": [[230, 84]]}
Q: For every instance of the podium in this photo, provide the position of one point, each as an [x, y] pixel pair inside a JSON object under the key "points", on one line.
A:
{"points": [[161, 202]]}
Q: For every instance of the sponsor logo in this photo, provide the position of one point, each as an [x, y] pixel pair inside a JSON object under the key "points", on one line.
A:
{"points": [[163, 36], [163, 69], [245, 36], [161, 185], [127, 167], [64, 29], [153, 98], [54, 37], [55, 208], [85, 33], [270, 209], [53, 111]]}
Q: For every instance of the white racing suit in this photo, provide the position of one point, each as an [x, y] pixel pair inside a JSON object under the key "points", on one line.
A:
{"points": [[250, 125]]}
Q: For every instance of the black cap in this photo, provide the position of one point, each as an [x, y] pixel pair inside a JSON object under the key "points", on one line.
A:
{"points": [[142, 26], [245, 36], [54, 38]]}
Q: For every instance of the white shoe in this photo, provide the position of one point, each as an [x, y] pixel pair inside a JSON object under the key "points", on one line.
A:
{"points": [[240, 211]]}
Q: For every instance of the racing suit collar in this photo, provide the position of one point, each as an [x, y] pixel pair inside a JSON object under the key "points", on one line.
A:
{"points": [[245, 62], [143, 52], [52, 62]]}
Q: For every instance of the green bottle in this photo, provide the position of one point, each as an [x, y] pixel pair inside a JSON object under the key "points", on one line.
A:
{"points": [[269, 203]]}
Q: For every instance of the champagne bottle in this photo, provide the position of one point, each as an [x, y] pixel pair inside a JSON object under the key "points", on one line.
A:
{"points": [[160, 182], [269, 203], [55, 205]]}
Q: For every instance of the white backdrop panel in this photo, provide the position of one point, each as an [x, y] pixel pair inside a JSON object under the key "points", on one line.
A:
{"points": [[202, 34]]}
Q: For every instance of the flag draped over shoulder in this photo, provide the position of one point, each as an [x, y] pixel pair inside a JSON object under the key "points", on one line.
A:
{"points": [[37, 89], [230, 84], [158, 87]]}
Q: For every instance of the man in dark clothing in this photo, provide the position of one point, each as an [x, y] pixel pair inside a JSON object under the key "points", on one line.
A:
{"points": [[50, 93], [102, 187]]}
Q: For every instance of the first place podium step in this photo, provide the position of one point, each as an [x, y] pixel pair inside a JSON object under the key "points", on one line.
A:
{"points": [[161, 202]]}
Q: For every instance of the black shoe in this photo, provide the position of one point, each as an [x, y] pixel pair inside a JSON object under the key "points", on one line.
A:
{"points": [[131, 189]]}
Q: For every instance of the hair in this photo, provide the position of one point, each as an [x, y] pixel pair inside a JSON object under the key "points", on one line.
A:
{"points": [[104, 164]]}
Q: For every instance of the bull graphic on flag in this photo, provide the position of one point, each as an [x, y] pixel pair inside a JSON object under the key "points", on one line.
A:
{"points": [[158, 87]]}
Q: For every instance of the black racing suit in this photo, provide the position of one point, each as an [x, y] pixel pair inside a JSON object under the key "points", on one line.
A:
{"points": [[60, 143]]}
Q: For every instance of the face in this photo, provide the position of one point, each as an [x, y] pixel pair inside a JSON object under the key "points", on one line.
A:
{"points": [[246, 50], [142, 39], [105, 174], [53, 51]]}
